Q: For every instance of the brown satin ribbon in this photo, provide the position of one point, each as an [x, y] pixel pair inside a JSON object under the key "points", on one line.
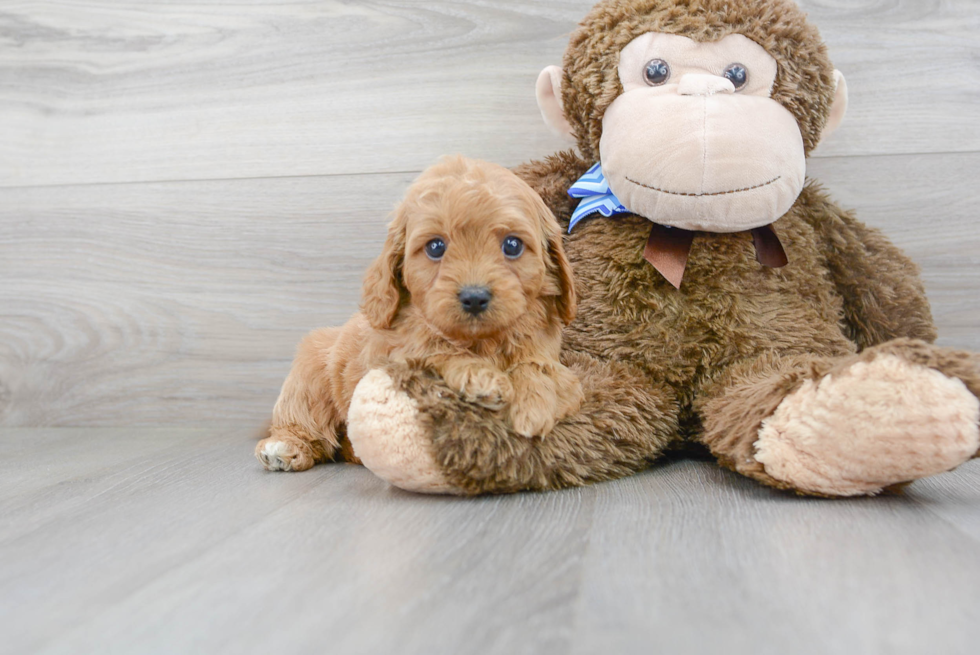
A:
{"points": [[669, 247], [768, 250]]}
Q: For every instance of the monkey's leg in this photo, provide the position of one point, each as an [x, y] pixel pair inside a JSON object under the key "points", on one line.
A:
{"points": [[846, 426], [410, 429], [306, 420]]}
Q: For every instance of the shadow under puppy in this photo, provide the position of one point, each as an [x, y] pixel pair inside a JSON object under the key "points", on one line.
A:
{"points": [[473, 282]]}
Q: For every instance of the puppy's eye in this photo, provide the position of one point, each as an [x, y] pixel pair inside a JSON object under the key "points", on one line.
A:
{"points": [[737, 75], [512, 247], [435, 249]]}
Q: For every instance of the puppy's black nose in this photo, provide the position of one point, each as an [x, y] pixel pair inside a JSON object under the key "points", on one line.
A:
{"points": [[475, 300]]}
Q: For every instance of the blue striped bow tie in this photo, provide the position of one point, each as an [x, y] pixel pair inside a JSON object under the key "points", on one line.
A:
{"points": [[596, 197]]}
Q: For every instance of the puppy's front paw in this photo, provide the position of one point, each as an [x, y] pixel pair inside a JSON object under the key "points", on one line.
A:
{"points": [[532, 420], [487, 388], [280, 454], [570, 394]]}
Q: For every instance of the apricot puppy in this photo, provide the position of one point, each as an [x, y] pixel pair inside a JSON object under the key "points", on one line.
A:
{"points": [[473, 282]]}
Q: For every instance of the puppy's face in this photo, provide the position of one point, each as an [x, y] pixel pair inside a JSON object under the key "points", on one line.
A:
{"points": [[473, 260], [475, 248]]}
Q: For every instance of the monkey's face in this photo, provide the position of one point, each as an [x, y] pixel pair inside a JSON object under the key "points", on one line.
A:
{"points": [[695, 137], [695, 141]]}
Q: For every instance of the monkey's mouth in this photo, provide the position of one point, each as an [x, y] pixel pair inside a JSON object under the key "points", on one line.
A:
{"points": [[704, 195]]}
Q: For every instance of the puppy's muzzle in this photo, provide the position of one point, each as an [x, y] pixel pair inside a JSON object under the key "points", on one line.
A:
{"points": [[475, 300]]}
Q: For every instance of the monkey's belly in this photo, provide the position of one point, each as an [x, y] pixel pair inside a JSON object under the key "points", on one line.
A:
{"points": [[729, 307]]}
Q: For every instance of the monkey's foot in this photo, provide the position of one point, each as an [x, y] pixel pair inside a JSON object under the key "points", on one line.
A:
{"points": [[872, 425], [385, 430]]}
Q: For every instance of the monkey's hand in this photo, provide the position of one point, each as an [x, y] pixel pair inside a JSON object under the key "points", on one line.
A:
{"points": [[413, 430]]}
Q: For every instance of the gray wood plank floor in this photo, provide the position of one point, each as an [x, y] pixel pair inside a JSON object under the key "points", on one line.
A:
{"points": [[173, 540], [188, 187]]}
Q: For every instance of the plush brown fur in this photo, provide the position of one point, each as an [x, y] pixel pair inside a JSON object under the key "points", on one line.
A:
{"points": [[710, 361], [505, 357]]}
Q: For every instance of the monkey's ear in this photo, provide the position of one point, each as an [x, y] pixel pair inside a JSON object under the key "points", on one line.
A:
{"points": [[548, 93], [839, 108], [383, 287]]}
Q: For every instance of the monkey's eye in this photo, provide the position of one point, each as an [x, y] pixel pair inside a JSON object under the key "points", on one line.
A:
{"points": [[737, 75], [435, 249], [657, 72], [512, 247]]}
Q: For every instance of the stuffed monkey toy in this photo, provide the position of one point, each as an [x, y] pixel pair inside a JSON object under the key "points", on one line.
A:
{"points": [[724, 299]]}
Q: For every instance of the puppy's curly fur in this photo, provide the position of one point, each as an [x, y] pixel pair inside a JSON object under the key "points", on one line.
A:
{"points": [[505, 356]]}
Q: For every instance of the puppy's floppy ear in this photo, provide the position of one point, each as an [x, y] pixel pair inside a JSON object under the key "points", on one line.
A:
{"points": [[557, 262], [383, 286], [567, 301]]}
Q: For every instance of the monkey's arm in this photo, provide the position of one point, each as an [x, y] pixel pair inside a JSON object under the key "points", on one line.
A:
{"points": [[410, 429], [883, 295]]}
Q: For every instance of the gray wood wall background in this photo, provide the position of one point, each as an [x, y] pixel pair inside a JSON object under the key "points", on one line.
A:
{"points": [[188, 187]]}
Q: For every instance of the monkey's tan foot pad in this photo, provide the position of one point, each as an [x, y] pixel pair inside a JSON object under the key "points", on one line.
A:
{"points": [[278, 454], [870, 426], [385, 431]]}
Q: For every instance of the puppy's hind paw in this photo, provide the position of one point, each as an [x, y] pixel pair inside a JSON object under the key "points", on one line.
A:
{"points": [[277, 454]]}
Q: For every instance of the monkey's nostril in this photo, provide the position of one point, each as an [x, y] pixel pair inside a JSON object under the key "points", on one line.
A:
{"points": [[475, 300]]}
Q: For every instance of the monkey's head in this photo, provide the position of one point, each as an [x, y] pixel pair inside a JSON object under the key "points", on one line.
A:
{"points": [[702, 112]]}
